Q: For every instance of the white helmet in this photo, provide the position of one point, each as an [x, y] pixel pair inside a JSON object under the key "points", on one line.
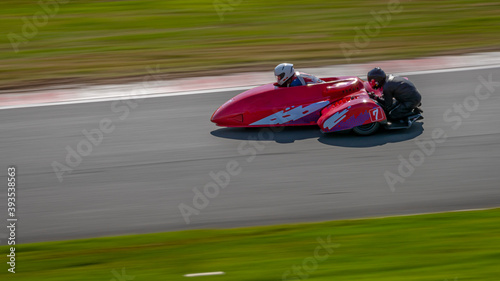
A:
{"points": [[283, 72]]}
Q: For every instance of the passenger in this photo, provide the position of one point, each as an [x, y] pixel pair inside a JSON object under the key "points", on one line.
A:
{"points": [[286, 76]]}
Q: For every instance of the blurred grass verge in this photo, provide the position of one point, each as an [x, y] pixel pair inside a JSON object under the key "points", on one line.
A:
{"points": [[85, 41], [436, 247]]}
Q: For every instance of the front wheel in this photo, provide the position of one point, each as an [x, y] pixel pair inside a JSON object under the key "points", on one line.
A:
{"points": [[367, 129]]}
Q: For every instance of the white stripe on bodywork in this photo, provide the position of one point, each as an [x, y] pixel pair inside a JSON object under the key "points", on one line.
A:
{"points": [[291, 114], [335, 119]]}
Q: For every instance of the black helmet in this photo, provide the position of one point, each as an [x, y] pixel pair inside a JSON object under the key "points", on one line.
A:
{"points": [[378, 75]]}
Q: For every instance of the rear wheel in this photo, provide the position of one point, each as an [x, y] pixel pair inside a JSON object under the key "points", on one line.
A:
{"points": [[367, 129]]}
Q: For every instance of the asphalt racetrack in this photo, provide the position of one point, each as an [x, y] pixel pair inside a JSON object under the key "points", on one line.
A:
{"points": [[157, 150]]}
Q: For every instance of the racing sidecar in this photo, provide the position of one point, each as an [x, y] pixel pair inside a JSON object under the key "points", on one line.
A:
{"points": [[341, 103]]}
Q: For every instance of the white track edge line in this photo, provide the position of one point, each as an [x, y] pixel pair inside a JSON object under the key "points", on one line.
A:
{"points": [[423, 214], [198, 92], [205, 274]]}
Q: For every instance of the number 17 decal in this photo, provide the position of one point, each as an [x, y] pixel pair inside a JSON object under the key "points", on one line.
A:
{"points": [[376, 115]]}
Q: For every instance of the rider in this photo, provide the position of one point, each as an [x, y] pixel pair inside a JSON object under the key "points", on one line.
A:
{"points": [[287, 76], [398, 88]]}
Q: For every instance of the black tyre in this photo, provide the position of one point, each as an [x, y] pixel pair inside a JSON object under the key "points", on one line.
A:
{"points": [[368, 129]]}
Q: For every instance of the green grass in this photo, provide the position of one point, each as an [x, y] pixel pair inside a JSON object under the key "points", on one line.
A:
{"points": [[437, 247], [96, 40]]}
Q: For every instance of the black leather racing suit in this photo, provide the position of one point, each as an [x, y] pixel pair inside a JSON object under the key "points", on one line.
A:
{"points": [[404, 92]]}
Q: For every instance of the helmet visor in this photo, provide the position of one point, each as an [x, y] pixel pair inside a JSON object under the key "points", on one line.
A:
{"points": [[280, 77], [374, 84]]}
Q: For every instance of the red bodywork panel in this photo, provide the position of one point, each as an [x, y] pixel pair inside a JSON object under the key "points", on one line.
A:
{"points": [[314, 104]]}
